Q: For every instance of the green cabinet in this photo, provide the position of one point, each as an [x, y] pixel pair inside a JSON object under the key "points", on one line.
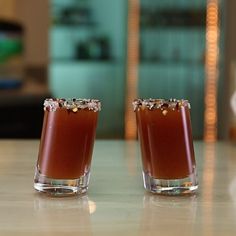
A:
{"points": [[172, 53], [87, 54]]}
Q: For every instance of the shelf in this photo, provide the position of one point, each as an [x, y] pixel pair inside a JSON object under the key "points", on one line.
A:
{"points": [[171, 63], [82, 62], [74, 25], [176, 28], [172, 17]]}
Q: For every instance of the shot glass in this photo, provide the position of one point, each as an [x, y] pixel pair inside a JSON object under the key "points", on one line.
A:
{"points": [[65, 151], [165, 136]]}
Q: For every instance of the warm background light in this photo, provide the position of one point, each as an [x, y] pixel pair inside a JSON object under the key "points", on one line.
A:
{"points": [[132, 67], [211, 66]]}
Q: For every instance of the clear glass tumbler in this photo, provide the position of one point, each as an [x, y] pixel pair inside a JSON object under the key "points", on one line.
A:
{"points": [[65, 152], [165, 135]]}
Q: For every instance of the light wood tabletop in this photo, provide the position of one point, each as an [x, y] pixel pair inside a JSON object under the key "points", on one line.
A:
{"points": [[116, 203]]}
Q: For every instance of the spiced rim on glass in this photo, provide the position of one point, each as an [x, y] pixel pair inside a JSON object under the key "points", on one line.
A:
{"points": [[66, 146], [167, 150]]}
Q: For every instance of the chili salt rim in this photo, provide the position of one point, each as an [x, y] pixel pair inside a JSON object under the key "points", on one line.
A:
{"points": [[162, 104], [73, 104]]}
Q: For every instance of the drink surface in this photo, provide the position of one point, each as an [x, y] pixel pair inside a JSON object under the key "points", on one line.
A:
{"points": [[166, 140], [67, 142]]}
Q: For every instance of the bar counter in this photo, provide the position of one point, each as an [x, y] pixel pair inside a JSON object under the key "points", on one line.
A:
{"points": [[116, 203]]}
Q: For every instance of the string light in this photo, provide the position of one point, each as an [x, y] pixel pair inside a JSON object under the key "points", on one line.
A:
{"points": [[211, 66], [132, 68]]}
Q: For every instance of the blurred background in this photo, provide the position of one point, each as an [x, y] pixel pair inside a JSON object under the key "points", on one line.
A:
{"points": [[116, 50]]}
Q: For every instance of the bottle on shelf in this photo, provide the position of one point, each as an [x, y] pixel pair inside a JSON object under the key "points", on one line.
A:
{"points": [[94, 48]]}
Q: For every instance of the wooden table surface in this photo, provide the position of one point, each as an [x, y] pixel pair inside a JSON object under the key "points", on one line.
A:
{"points": [[116, 203]]}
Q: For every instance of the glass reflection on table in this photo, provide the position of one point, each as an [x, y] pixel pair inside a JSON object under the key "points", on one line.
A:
{"points": [[159, 210], [62, 214]]}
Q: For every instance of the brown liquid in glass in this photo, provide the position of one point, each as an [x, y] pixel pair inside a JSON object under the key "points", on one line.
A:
{"points": [[67, 143], [166, 142]]}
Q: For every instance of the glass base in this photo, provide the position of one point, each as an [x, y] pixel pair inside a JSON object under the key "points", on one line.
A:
{"points": [[61, 187], [170, 186]]}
